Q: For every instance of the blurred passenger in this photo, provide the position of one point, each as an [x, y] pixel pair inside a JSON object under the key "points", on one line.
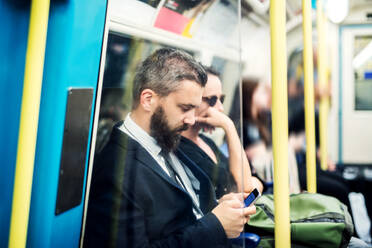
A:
{"points": [[256, 117], [141, 194], [257, 133], [225, 173], [258, 142]]}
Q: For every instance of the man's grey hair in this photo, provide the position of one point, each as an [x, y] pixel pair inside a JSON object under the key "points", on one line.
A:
{"points": [[163, 71]]}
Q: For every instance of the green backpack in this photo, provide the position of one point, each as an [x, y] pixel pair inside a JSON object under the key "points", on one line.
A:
{"points": [[316, 221]]}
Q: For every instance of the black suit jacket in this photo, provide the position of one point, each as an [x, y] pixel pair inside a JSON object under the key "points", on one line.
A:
{"points": [[133, 202]]}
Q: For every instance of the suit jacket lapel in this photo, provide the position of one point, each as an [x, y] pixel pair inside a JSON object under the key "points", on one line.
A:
{"points": [[145, 158], [130, 145]]}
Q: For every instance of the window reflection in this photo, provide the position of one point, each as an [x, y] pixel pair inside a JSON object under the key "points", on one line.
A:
{"points": [[124, 54], [144, 189]]}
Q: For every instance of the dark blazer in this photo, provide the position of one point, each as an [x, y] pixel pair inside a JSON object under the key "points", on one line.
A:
{"points": [[133, 202], [219, 173]]}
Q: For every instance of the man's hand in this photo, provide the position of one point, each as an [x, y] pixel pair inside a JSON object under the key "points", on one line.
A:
{"points": [[231, 213], [231, 196]]}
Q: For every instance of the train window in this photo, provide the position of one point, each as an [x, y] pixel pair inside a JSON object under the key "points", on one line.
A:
{"points": [[362, 63]]}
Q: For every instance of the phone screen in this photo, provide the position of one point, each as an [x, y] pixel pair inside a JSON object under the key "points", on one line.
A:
{"points": [[252, 197]]}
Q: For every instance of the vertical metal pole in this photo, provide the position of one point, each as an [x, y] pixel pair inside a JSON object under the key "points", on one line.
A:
{"points": [[309, 97], [28, 123], [323, 86], [280, 122]]}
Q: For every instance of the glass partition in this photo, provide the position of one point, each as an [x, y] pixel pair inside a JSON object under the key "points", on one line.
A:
{"points": [[159, 168]]}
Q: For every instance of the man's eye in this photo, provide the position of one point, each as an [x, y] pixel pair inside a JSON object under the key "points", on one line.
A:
{"points": [[185, 108]]}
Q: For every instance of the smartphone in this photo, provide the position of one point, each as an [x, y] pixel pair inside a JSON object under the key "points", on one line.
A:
{"points": [[252, 197]]}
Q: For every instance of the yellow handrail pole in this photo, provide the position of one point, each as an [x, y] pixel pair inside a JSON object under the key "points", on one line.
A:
{"points": [[309, 97], [323, 86], [28, 122], [280, 122]]}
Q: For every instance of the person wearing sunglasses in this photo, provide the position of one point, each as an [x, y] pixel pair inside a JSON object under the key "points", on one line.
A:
{"points": [[225, 173], [212, 100]]}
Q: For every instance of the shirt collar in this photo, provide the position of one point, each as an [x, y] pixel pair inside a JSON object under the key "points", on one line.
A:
{"points": [[132, 129]]}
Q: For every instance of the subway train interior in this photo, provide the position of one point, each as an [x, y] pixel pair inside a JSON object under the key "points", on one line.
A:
{"points": [[293, 114]]}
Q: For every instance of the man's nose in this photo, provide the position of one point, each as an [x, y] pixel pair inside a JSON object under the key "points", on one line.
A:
{"points": [[190, 118], [219, 106]]}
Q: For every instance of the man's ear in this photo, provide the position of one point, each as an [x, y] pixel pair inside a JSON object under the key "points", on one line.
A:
{"points": [[148, 99]]}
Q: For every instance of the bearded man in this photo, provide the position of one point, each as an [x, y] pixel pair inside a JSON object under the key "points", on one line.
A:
{"points": [[141, 194]]}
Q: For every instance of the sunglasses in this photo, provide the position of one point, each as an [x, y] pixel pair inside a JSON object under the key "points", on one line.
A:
{"points": [[212, 100]]}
